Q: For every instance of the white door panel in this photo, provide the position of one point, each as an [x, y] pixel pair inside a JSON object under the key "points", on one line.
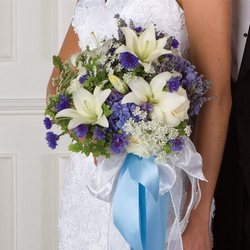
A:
{"points": [[30, 173]]}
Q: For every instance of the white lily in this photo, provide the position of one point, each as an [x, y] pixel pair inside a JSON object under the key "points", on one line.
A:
{"points": [[145, 47], [169, 108], [88, 108]]}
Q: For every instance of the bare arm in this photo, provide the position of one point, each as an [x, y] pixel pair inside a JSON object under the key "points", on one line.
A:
{"points": [[209, 29], [70, 46]]}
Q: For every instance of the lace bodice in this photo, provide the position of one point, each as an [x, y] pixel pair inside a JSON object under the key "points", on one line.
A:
{"points": [[98, 16], [84, 221]]}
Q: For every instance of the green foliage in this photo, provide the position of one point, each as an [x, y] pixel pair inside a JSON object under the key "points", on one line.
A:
{"points": [[57, 62], [167, 148], [107, 110], [181, 128], [76, 147]]}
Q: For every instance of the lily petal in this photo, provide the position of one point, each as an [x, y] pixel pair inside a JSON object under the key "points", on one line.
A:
{"points": [[147, 42], [131, 98], [131, 37], [170, 101], [102, 122], [171, 120], [159, 82], [147, 37], [157, 114], [122, 49], [141, 89], [101, 95], [160, 43], [75, 123], [156, 53], [80, 96], [67, 113]]}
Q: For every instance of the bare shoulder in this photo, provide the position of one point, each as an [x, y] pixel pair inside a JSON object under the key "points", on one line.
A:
{"points": [[207, 12]]}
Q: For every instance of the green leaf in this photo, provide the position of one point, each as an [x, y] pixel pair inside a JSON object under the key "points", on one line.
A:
{"points": [[167, 148], [181, 128], [57, 62], [107, 110], [76, 147]]}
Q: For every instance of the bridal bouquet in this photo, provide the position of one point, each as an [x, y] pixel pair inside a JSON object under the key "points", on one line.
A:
{"points": [[131, 101], [135, 94]]}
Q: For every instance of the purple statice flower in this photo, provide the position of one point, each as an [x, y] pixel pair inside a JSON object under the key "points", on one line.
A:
{"points": [[177, 144], [83, 78], [47, 123], [174, 84], [119, 143], [99, 134], [138, 29], [81, 130], [175, 43], [52, 139], [195, 106], [63, 103], [128, 60], [146, 106]]}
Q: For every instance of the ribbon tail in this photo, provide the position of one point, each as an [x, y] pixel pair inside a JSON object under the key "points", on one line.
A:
{"points": [[126, 214], [138, 215], [157, 215]]}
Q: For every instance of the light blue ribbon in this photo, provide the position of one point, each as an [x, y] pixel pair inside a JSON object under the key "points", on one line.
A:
{"points": [[139, 212]]}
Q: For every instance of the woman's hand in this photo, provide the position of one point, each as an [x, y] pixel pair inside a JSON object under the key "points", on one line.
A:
{"points": [[197, 235]]}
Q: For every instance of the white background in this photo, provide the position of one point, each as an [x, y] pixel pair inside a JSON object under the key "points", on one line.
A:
{"points": [[31, 31]]}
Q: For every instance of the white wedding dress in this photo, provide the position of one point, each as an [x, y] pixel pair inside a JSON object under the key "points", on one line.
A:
{"points": [[85, 223]]}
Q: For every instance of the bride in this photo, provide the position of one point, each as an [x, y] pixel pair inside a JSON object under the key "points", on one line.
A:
{"points": [[204, 31]]}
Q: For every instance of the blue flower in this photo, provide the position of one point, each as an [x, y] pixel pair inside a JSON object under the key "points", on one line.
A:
{"points": [[83, 78], [99, 134], [174, 84], [190, 76], [148, 107], [63, 103], [81, 130], [128, 60], [52, 139], [47, 123], [138, 29], [174, 43], [119, 143], [120, 112], [177, 144]]}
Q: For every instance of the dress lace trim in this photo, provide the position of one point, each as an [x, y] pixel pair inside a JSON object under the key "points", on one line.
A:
{"points": [[98, 16]]}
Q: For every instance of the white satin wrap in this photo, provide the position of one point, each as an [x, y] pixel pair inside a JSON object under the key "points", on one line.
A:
{"points": [[176, 175]]}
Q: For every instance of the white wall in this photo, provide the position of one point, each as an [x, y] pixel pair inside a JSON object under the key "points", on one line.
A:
{"points": [[31, 31]]}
